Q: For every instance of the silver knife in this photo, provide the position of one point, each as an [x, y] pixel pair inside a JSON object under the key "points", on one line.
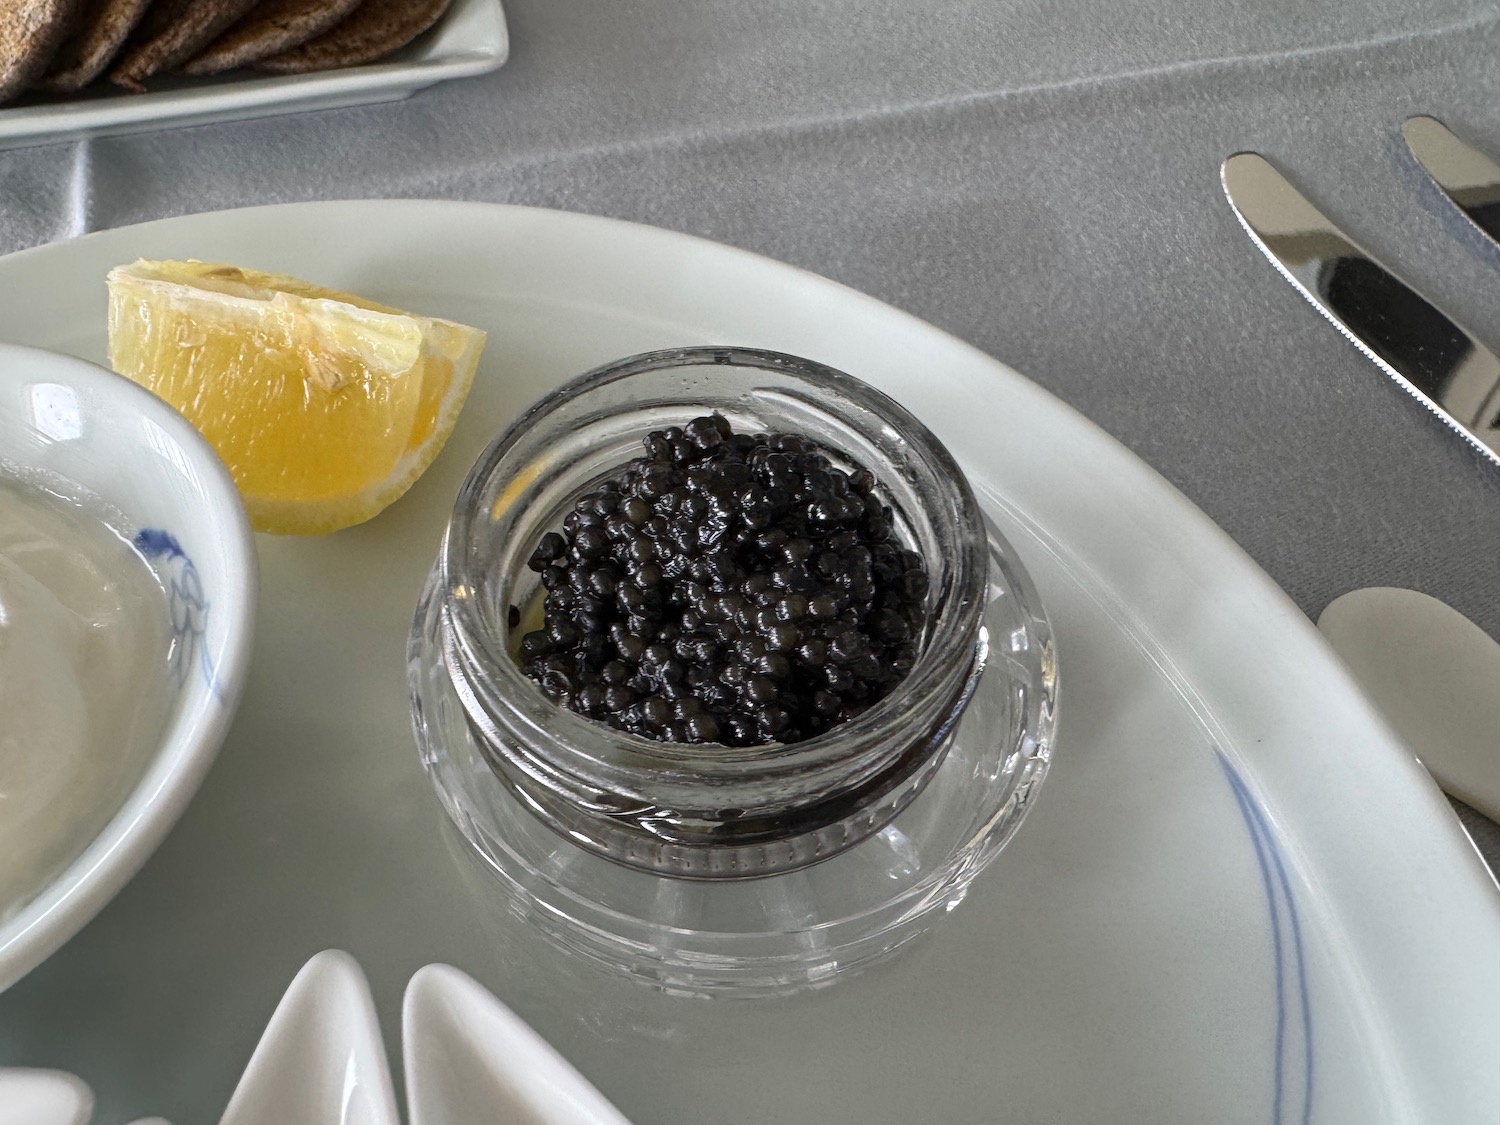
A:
{"points": [[1468, 177], [1414, 342]]}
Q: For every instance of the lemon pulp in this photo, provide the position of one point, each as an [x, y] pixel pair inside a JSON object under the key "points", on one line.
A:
{"points": [[324, 406]]}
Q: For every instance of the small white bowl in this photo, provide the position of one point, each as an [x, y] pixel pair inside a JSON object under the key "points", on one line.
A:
{"points": [[119, 442]]}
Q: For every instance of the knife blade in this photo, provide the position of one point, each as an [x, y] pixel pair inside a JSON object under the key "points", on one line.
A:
{"points": [[1415, 343], [1466, 176]]}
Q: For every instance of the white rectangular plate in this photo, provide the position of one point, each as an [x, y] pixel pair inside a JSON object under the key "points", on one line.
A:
{"points": [[471, 39]]}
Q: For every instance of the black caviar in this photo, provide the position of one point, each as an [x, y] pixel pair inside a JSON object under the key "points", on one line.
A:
{"points": [[728, 588]]}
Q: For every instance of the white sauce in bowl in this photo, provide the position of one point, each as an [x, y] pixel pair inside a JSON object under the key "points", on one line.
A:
{"points": [[84, 642]]}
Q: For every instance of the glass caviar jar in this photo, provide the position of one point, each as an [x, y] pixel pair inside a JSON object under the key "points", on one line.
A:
{"points": [[495, 744]]}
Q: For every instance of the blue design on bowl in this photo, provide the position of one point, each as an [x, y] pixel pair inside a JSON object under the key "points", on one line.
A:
{"points": [[1293, 1082], [185, 602]]}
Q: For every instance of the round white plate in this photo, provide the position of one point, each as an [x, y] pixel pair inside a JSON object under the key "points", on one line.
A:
{"points": [[1238, 899]]}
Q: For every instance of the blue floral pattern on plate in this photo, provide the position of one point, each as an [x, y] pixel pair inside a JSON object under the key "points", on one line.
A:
{"points": [[186, 603]]}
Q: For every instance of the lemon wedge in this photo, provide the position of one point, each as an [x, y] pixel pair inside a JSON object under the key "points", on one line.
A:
{"points": [[324, 406]]}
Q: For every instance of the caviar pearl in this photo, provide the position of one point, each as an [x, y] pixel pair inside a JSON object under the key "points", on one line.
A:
{"points": [[726, 588]]}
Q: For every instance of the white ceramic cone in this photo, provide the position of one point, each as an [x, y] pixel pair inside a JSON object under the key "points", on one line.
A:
{"points": [[321, 1059], [470, 1060], [43, 1097]]}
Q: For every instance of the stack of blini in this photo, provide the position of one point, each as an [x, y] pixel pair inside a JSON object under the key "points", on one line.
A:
{"points": [[62, 46]]}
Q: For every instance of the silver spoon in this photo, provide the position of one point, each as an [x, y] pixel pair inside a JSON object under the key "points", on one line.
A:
{"points": [[1435, 675]]}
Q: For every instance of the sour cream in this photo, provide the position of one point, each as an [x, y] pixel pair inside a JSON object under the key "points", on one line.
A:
{"points": [[84, 640]]}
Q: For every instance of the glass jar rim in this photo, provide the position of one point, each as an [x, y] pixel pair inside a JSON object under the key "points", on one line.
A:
{"points": [[953, 625]]}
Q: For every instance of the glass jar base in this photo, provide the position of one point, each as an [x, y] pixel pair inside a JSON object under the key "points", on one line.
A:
{"points": [[780, 933]]}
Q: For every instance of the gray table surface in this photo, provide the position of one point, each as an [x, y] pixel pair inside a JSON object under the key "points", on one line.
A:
{"points": [[1038, 177]]}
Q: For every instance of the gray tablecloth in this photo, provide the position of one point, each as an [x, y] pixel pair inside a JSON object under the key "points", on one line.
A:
{"points": [[1039, 177]]}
